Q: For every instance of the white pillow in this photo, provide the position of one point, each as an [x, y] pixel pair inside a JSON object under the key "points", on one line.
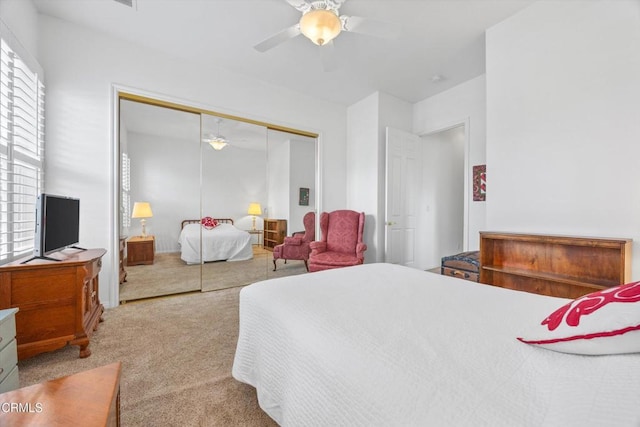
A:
{"points": [[603, 322]]}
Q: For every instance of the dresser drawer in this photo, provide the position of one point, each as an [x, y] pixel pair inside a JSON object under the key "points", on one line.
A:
{"points": [[7, 327], [8, 359], [11, 382]]}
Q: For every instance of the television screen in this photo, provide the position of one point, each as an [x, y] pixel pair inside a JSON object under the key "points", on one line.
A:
{"points": [[57, 223]]}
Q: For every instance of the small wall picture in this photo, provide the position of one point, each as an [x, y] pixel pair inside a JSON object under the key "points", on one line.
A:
{"points": [[480, 183], [304, 197]]}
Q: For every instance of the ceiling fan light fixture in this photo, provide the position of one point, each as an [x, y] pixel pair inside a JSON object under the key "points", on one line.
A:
{"points": [[320, 25], [218, 143]]}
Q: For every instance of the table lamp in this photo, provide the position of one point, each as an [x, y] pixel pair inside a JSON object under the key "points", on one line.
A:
{"points": [[254, 209], [142, 210]]}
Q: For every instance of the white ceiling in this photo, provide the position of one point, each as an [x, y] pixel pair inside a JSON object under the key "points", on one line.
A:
{"points": [[439, 37]]}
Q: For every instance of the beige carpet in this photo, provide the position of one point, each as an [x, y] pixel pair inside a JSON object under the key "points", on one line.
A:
{"points": [[176, 354], [170, 275]]}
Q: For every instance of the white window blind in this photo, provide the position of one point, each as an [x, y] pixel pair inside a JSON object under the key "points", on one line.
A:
{"points": [[21, 148], [125, 191]]}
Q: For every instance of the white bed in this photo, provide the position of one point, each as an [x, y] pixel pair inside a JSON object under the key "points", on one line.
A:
{"points": [[224, 242], [385, 345]]}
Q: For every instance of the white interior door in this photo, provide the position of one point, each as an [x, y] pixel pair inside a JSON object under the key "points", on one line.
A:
{"points": [[403, 168]]}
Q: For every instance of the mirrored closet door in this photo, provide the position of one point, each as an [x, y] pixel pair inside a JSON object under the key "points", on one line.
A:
{"points": [[234, 196], [160, 172], [205, 198]]}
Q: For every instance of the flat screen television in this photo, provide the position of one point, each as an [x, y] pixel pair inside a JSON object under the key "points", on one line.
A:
{"points": [[57, 224]]}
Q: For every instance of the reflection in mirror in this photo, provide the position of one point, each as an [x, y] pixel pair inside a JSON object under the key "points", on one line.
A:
{"points": [[257, 182], [160, 165], [292, 194], [234, 195]]}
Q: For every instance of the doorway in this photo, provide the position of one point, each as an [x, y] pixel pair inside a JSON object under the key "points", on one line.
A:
{"points": [[427, 187], [443, 194]]}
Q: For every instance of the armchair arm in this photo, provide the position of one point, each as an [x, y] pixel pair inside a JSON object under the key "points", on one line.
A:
{"points": [[317, 247], [360, 248], [292, 241]]}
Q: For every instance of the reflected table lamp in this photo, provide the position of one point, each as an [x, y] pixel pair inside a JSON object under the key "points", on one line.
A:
{"points": [[254, 209], [142, 210]]}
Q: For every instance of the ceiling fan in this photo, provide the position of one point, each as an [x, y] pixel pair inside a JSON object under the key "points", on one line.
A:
{"points": [[321, 22]]}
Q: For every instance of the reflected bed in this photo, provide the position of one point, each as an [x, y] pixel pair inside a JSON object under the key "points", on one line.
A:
{"points": [[224, 242]]}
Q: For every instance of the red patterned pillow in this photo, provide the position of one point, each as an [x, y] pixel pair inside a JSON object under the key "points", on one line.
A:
{"points": [[208, 222], [603, 322]]}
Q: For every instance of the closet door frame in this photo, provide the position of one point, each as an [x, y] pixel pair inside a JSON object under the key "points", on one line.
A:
{"points": [[123, 92]]}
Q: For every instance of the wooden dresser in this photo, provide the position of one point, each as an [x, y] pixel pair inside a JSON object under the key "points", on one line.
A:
{"points": [[89, 399], [561, 266], [8, 351], [58, 301]]}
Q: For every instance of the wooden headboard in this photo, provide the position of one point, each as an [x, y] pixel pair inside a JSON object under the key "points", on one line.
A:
{"points": [[560, 266], [197, 221]]}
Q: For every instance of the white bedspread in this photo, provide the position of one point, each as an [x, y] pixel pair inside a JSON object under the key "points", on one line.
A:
{"points": [[224, 242], [385, 345]]}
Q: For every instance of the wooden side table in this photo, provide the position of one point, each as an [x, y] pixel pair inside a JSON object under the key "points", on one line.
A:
{"points": [[90, 398], [141, 250], [259, 233]]}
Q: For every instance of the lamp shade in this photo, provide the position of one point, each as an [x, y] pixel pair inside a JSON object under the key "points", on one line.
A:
{"points": [[320, 25], [141, 210], [254, 209]]}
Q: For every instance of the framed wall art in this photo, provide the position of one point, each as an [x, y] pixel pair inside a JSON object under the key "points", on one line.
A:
{"points": [[480, 183], [304, 197]]}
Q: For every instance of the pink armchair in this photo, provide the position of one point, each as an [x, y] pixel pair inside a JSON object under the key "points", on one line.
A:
{"points": [[341, 244], [297, 246]]}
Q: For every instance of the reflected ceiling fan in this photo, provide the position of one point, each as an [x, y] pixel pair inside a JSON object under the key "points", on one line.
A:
{"points": [[321, 22]]}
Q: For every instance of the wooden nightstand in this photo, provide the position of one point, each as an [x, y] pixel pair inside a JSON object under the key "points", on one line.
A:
{"points": [[259, 233], [141, 250]]}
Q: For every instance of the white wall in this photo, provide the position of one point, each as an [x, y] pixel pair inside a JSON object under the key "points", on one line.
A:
{"points": [[460, 104], [278, 181], [362, 172], [563, 110], [441, 200], [367, 121], [232, 179], [166, 173], [302, 175], [81, 67], [21, 17]]}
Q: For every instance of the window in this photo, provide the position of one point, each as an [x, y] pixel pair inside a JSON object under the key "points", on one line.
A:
{"points": [[21, 147]]}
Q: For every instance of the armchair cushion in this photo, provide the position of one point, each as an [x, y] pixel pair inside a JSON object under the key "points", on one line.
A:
{"points": [[336, 259]]}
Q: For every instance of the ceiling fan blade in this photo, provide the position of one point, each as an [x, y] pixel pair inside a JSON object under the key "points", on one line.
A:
{"points": [[301, 5], [370, 27], [278, 38], [328, 57]]}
